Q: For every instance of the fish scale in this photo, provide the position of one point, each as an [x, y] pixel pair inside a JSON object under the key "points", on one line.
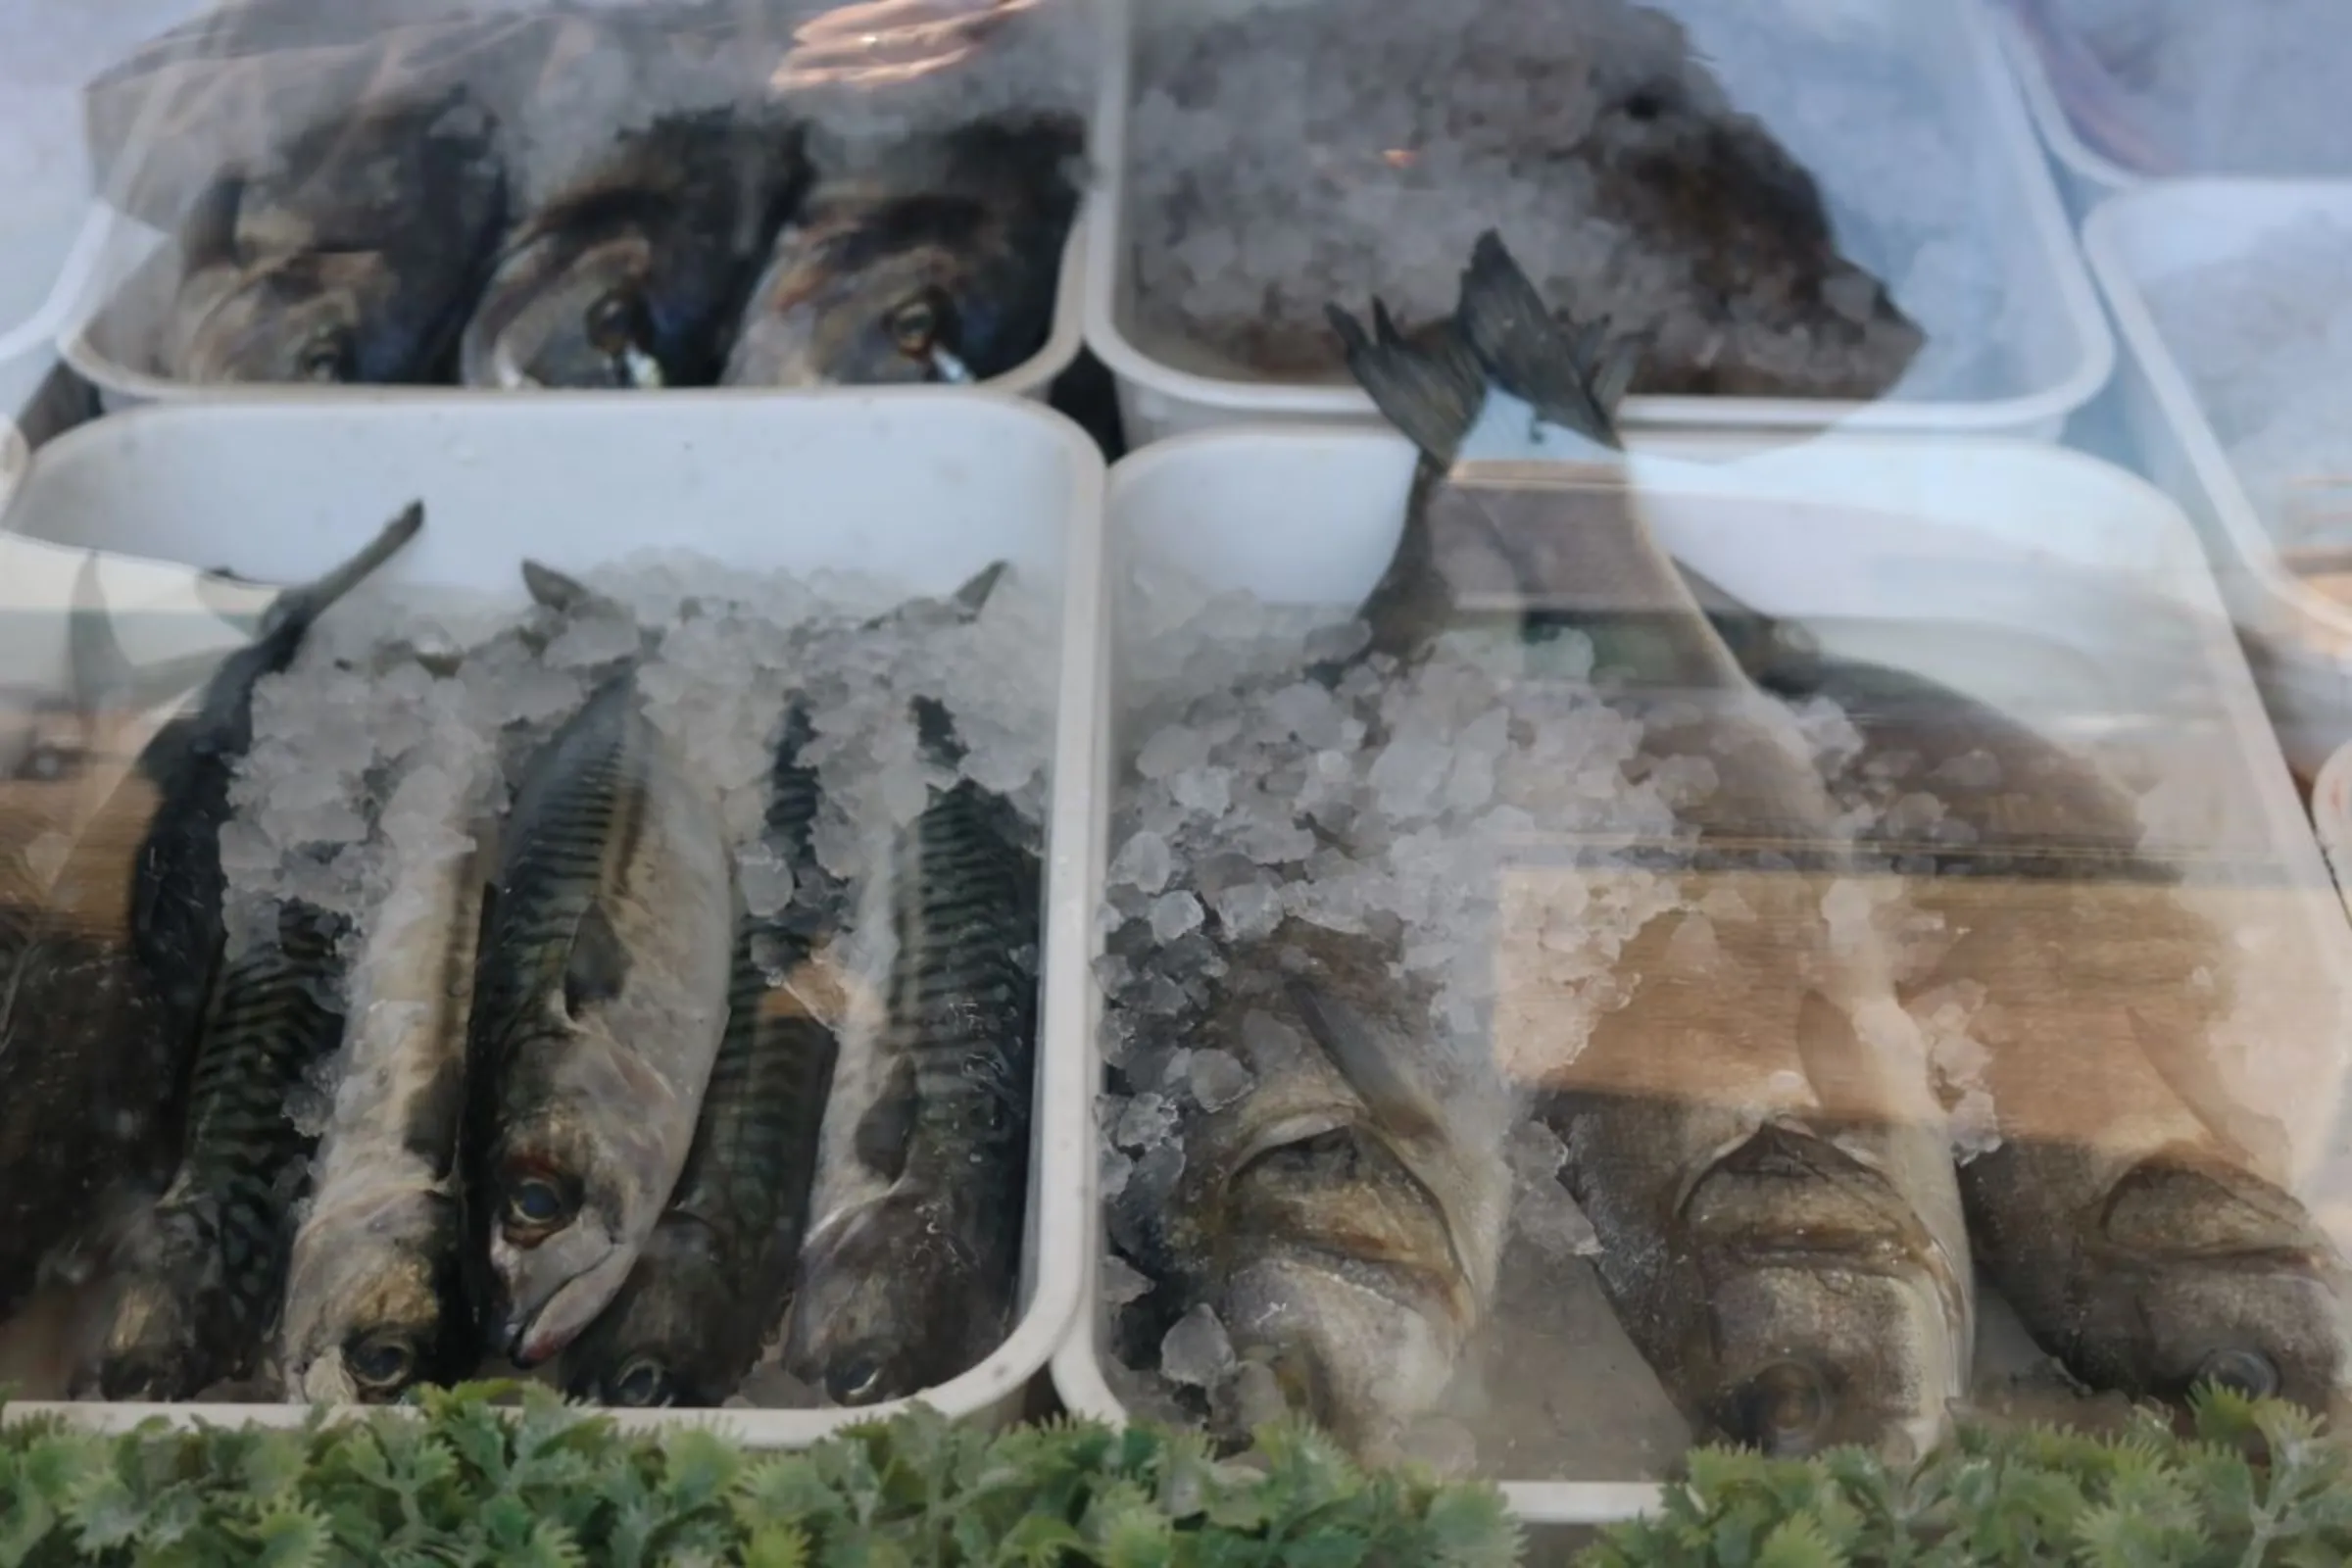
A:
{"points": [[222, 1229]]}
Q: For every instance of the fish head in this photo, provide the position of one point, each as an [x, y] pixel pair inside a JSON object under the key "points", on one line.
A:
{"points": [[888, 1302], [1714, 189], [301, 320], [570, 310], [565, 1216], [887, 300], [1830, 1316], [657, 1345], [1341, 1276], [154, 1350], [376, 1304], [2213, 1275]]}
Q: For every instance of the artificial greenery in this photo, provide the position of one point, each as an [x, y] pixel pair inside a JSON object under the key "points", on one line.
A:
{"points": [[2252, 1484], [496, 1474], [539, 1485]]}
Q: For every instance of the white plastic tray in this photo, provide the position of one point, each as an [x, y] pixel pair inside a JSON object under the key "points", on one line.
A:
{"points": [[2304, 638], [121, 297], [926, 484], [2058, 556], [2052, 305], [2086, 176]]}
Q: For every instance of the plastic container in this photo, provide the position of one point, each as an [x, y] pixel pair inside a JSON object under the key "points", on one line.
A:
{"points": [[927, 484], [2086, 176], [2088, 583], [2301, 639], [2331, 817], [2053, 307], [127, 292]]}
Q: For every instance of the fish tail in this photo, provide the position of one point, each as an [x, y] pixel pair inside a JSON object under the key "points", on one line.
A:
{"points": [[207, 236], [1432, 392], [298, 608], [1573, 377]]}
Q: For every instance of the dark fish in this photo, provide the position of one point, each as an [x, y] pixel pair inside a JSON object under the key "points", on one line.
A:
{"points": [[940, 263], [2126, 1214], [636, 275], [1753, 1136], [356, 260], [199, 1285], [910, 1289], [716, 1277], [109, 962], [375, 1297], [600, 999]]}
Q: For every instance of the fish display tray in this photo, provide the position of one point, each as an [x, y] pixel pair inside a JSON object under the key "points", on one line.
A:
{"points": [[2053, 561], [928, 485], [2054, 311], [123, 292], [2086, 175], [2135, 241]]}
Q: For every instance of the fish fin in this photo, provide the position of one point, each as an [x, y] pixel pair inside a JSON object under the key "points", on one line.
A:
{"points": [[2191, 1201], [2186, 1068], [1564, 372], [207, 236], [599, 964], [102, 670], [1433, 394], [973, 597], [555, 590], [1364, 1061], [1781, 656], [888, 1124], [297, 608], [935, 729]]}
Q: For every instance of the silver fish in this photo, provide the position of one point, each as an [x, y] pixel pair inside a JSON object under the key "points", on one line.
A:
{"points": [[375, 1297], [600, 999], [1754, 1137], [909, 1290], [202, 1277]]}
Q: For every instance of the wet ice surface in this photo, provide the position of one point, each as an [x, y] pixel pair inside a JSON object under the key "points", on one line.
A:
{"points": [[2264, 339], [2255, 89], [360, 748], [1391, 810], [1298, 156]]}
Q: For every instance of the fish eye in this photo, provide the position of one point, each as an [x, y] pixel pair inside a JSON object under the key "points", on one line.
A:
{"points": [[382, 1363], [612, 321], [1782, 1410], [2243, 1372], [537, 1207], [914, 326], [326, 357], [642, 1385], [856, 1382]]}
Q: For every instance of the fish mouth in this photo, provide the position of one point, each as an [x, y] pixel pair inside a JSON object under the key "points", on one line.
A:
{"points": [[534, 1336], [326, 1381]]}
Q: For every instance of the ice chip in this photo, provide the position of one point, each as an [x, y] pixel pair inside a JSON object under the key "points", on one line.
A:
{"points": [[1176, 914], [1171, 751], [1122, 1283], [1148, 1120], [1216, 1079], [1248, 911], [767, 881], [1144, 861], [1207, 791], [1197, 1352], [1550, 1221], [1536, 1153]]}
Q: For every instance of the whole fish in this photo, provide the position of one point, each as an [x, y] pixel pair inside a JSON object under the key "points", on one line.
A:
{"points": [[912, 1287], [1753, 1134], [1342, 1230], [940, 263], [375, 1297], [355, 258], [2124, 1213], [600, 999], [716, 1278], [111, 956], [636, 275], [199, 1286]]}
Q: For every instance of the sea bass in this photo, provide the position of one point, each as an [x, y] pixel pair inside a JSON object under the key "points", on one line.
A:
{"points": [[1753, 1134], [201, 1278], [111, 956], [2124, 1213], [375, 1297], [912, 1287], [715, 1278], [636, 275], [600, 999], [355, 260], [939, 262]]}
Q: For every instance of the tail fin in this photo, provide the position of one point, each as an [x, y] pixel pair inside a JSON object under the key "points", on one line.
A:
{"points": [[297, 608], [1575, 378], [1433, 393]]}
